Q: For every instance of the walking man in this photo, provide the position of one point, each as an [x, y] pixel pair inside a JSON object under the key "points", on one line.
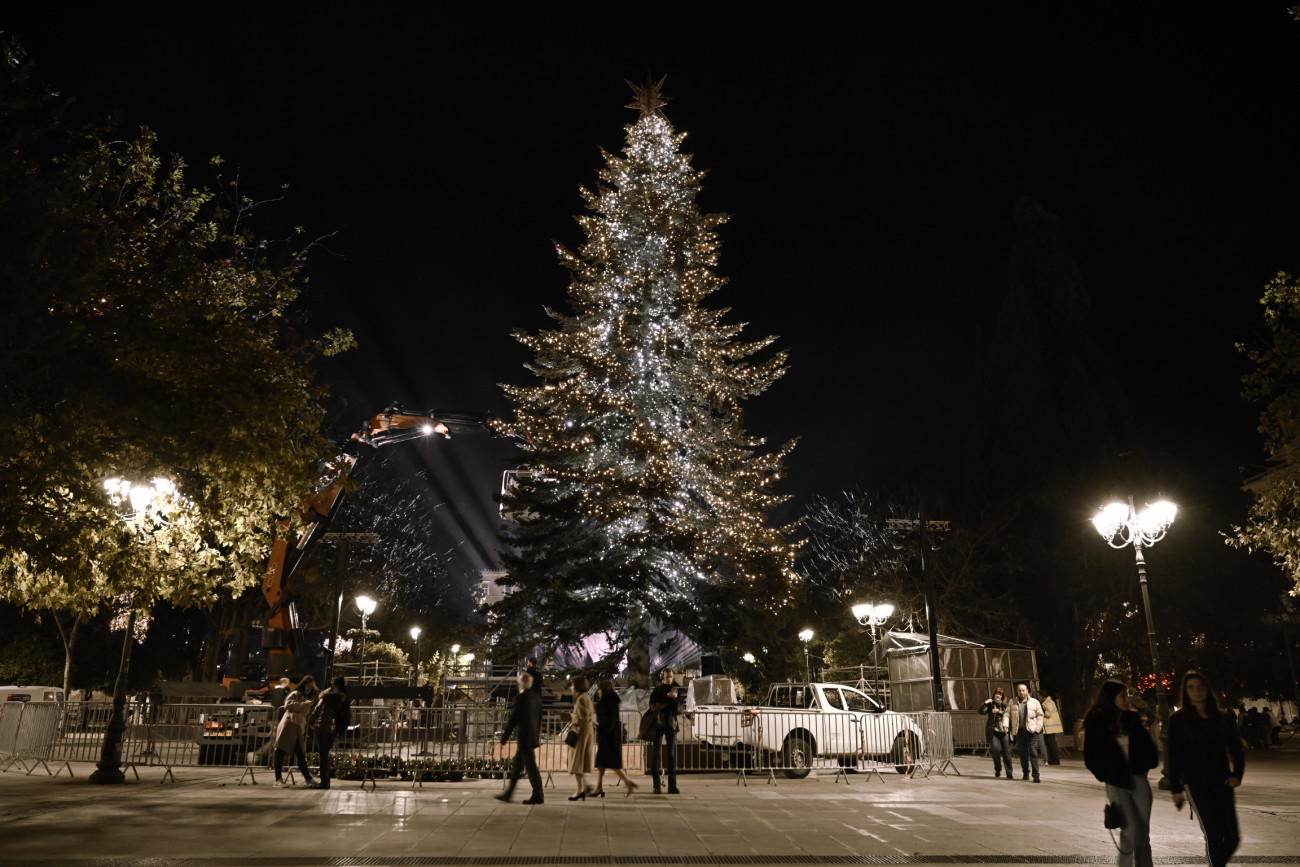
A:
{"points": [[527, 718], [1026, 714]]}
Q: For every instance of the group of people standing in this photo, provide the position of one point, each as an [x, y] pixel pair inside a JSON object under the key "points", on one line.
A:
{"points": [[1204, 763], [310, 712], [595, 736]]}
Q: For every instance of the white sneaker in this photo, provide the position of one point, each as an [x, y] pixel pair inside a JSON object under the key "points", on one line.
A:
{"points": [[279, 784]]}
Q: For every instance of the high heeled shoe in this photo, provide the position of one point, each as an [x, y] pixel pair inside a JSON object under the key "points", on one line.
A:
{"points": [[581, 796], [631, 787], [599, 793]]}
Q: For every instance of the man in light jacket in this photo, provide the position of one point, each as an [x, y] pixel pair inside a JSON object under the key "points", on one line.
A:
{"points": [[1026, 718]]}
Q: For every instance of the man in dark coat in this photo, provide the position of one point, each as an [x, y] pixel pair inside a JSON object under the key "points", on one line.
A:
{"points": [[527, 718]]}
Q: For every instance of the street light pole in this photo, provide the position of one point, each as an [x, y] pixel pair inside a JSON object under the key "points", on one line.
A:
{"points": [[415, 677], [924, 526], [806, 636], [1122, 525], [873, 616], [367, 607], [145, 507]]}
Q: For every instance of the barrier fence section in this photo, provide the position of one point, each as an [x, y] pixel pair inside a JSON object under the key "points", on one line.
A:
{"points": [[418, 745], [800, 742]]}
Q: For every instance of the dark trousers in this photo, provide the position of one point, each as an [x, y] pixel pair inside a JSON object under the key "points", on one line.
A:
{"points": [[324, 743], [1216, 809], [1000, 750], [1029, 743], [298, 756], [525, 761], [667, 737]]}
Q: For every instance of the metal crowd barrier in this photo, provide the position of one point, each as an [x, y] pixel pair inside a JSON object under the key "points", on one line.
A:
{"points": [[418, 745], [800, 742]]}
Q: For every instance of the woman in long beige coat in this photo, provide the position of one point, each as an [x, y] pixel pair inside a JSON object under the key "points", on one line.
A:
{"points": [[291, 733], [582, 722]]}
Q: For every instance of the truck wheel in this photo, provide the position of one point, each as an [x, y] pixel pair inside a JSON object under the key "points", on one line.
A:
{"points": [[798, 757], [905, 752]]}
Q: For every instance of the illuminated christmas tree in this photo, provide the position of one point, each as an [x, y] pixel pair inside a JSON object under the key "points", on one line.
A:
{"points": [[647, 493]]}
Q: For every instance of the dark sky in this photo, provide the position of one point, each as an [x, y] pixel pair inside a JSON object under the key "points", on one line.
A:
{"points": [[871, 165]]}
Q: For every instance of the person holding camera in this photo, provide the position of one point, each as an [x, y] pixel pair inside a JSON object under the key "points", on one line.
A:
{"points": [[1118, 749], [995, 731], [663, 702]]}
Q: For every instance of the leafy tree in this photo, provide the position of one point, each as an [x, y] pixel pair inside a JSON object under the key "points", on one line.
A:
{"points": [[855, 556], [1274, 522], [149, 333], [646, 487]]}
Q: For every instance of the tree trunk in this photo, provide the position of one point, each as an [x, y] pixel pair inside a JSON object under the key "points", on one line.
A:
{"points": [[638, 650], [69, 638]]}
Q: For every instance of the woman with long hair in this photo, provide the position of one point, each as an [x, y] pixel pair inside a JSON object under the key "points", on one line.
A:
{"points": [[1119, 751], [609, 738], [995, 731], [1203, 740], [582, 722], [291, 732]]}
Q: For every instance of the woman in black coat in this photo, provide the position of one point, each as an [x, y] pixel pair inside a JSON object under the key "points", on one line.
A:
{"points": [[1206, 763], [609, 738], [1119, 751]]}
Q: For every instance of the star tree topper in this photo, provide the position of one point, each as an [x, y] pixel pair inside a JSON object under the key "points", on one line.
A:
{"points": [[648, 99]]}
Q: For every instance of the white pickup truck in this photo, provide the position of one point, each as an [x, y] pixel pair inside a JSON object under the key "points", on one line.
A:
{"points": [[803, 721]]}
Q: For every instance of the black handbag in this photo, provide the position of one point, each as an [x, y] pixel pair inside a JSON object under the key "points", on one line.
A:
{"points": [[1114, 816], [571, 740]]}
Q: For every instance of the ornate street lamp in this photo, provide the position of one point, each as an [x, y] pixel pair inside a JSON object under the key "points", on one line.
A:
{"points": [[415, 636], [806, 636], [455, 652], [1122, 525], [147, 508], [366, 606], [873, 616]]}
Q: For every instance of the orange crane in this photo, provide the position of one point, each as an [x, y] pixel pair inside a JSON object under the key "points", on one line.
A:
{"points": [[282, 637]]}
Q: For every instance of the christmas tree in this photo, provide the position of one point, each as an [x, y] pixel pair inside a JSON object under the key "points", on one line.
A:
{"points": [[646, 492]]}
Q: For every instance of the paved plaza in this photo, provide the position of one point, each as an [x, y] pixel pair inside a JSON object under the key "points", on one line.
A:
{"points": [[207, 818]]}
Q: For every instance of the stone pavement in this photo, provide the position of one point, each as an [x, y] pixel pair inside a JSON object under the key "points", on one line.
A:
{"points": [[206, 818]]}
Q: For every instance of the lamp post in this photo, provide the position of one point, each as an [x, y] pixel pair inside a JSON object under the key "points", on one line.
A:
{"points": [[455, 654], [366, 606], [1121, 525], [806, 636], [415, 636], [146, 508], [873, 616]]}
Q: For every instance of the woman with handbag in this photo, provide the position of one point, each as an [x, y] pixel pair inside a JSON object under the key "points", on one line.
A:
{"points": [[582, 735], [1119, 751], [609, 738]]}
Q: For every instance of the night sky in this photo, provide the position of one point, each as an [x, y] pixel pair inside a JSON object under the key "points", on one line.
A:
{"points": [[871, 165]]}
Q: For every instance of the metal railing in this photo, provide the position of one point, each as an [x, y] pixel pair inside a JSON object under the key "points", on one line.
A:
{"points": [[800, 742], [418, 745]]}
